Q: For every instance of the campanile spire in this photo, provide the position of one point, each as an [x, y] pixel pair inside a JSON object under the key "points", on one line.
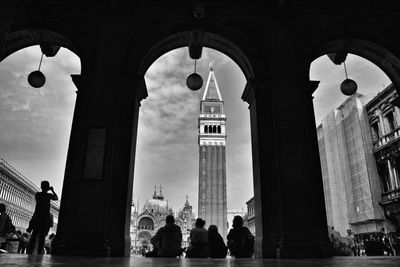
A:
{"points": [[212, 166]]}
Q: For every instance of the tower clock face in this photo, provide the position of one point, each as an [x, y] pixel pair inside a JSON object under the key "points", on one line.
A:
{"points": [[212, 109]]}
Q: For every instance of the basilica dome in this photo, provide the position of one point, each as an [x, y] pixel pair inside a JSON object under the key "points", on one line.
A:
{"points": [[156, 205]]}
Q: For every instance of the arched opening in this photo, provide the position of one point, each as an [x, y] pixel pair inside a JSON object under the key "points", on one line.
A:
{"points": [[178, 155], [35, 122], [146, 223], [356, 135]]}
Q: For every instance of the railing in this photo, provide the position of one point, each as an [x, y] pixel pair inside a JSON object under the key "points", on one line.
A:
{"points": [[391, 195], [387, 138]]}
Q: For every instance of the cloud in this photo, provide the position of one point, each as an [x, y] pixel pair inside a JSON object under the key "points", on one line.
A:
{"points": [[35, 123]]}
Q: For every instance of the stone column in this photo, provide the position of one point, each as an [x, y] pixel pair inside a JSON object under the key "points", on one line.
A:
{"points": [[391, 176], [96, 200], [267, 196], [381, 126], [289, 194]]}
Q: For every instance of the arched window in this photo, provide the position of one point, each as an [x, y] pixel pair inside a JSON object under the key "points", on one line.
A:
{"points": [[206, 128], [214, 129], [219, 128]]}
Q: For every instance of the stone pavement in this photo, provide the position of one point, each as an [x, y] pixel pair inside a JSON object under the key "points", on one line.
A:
{"points": [[46, 260]]}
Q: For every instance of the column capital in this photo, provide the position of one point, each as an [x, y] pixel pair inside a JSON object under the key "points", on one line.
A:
{"points": [[248, 93], [130, 81], [141, 88]]}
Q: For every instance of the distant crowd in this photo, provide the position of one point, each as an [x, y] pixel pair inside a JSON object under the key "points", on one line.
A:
{"points": [[203, 243], [375, 244]]}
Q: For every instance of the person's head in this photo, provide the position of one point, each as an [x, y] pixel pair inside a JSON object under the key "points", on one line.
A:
{"points": [[2, 207], [18, 232], [237, 221], [45, 185], [212, 229], [348, 231], [332, 228], [383, 230], [170, 219], [200, 223]]}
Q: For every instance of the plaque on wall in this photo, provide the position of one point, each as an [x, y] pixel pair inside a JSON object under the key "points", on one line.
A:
{"points": [[96, 144]]}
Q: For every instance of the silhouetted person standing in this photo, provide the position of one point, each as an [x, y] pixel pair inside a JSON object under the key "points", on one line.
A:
{"points": [[168, 239], [240, 240], [42, 219], [216, 243]]}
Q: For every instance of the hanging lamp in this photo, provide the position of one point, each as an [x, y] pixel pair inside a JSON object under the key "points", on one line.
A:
{"points": [[348, 86], [36, 78], [194, 80]]}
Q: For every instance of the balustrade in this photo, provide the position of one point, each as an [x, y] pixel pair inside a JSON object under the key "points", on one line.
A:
{"points": [[391, 195], [387, 138]]}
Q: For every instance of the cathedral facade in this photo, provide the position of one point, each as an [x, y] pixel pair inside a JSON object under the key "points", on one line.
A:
{"points": [[212, 166], [145, 222]]}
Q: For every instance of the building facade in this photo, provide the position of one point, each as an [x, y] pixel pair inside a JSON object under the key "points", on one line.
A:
{"points": [[212, 166], [351, 184], [146, 222], [17, 192], [350, 177], [384, 120], [249, 219]]}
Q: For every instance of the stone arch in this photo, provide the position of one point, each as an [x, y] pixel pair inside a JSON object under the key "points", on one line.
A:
{"points": [[165, 40], [23, 38], [378, 49], [146, 222]]}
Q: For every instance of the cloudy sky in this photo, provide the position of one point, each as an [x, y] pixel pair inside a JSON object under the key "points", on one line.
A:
{"points": [[36, 123]]}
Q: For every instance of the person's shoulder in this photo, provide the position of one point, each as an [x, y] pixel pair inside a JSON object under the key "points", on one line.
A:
{"points": [[246, 230], [177, 227]]}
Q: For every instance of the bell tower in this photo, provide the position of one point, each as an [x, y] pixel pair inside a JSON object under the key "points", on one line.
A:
{"points": [[212, 167]]}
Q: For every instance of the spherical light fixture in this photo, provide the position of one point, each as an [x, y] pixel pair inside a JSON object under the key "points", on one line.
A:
{"points": [[194, 81], [348, 86], [36, 78]]}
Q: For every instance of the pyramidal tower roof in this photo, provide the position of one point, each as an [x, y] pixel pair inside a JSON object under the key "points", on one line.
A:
{"points": [[211, 93]]}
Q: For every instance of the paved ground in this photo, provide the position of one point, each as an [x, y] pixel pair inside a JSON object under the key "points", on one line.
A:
{"points": [[30, 260]]}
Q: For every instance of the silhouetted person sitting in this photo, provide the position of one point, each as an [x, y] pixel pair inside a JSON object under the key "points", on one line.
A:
{"points": [[6, 226], [240, 240], [41, 220], [216, 243], [198, 247], [168, 239]]}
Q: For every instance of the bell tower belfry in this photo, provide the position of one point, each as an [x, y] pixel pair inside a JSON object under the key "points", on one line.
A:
{"points": [[212, 167]]}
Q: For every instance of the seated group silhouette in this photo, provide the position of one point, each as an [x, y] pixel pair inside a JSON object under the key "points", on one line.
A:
{"points": [[167, 242], [203, 243]]}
